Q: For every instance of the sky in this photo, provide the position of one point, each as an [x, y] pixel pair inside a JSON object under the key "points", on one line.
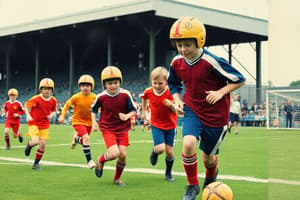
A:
{"points": [[279, 53]]}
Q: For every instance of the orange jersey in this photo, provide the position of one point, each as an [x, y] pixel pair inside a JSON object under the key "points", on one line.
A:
{"points": [[82, 108], [40, 108], [161, 116]]}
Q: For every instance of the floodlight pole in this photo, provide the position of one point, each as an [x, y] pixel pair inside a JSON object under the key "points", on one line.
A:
{"points": [[258, 73]]}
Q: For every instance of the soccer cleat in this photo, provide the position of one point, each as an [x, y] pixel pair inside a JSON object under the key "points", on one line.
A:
{"points": [[27, 149], [99, 169], [91, 164], [207, 181], [73, 144], [169, 177], [35, 166], [191, 192], [21, 138], [7, 148], [153, 158], [118, 182]]}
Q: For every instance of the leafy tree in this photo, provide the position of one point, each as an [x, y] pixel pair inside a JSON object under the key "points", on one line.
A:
{"points": [[295, 83]]}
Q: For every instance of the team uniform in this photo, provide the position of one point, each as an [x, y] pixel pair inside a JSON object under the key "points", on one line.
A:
{"points": [[81, 121], [13, 122], [201, 119], [40, 108], [114, 130], [163, 120]]}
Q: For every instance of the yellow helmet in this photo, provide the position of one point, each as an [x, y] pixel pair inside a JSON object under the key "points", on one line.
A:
{"points": [[46, 82], [13, 91], [86, 79], [110, 72], [188, 27]]}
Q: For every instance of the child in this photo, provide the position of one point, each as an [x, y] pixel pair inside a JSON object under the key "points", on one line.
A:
{"points": [[13, 110], [147, 119], [163, 119], [81, 121], [117, 107], [235, 114], [39, 111], [208, 81]]}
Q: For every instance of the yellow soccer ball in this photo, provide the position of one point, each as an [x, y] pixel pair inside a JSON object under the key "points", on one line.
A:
{"points": [[217, 191]]}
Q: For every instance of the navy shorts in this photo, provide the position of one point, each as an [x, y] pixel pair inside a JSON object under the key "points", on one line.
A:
{"points": [[234, 117], [163, 136], [210, 137]]}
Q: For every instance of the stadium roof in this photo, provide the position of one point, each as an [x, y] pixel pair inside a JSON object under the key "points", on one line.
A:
{"points": [[223, 27]]}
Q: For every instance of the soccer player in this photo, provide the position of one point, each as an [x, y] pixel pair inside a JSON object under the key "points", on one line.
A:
{"points": [[147, 119], [163, 119], [39, 111], [117, 107], [208, 81], [81, 121], [13, 109]]}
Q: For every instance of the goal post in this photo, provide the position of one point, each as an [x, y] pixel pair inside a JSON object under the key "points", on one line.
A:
{"points": [[283, 105]]}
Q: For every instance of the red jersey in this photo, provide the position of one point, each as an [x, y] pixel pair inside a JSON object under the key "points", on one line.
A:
{"points": [[40, 108], [161, 116], [111, 106], [12, 108]]}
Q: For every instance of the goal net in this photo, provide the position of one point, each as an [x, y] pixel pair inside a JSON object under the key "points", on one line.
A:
{"points": [[283, 109]]}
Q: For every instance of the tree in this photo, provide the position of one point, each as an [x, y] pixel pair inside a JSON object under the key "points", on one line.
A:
{"points": [[295, 83]]}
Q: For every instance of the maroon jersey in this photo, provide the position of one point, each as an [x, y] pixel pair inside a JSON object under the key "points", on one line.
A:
{"points": [[208, 72], [111, 106], [12, 108]]}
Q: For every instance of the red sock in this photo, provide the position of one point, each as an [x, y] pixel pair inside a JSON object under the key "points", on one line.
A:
{"points": [[39, 154], [190, 166], [103, 158], [6, 137], [119, 170], [211, 171]]}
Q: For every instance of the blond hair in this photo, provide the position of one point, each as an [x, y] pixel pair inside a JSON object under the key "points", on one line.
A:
{"points": [[159, 71]]}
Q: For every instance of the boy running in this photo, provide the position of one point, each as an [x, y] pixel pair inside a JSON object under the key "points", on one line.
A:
{"points": [[208, 81], [13, 109], [81, 121], [39, 111], [163, 119], [117, 107]]}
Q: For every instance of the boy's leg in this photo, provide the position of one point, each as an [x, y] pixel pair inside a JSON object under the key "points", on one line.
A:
{"points": [[6, 138], [39, 154], [211, 166], [170, 136], [120, 165], [16, 132]]}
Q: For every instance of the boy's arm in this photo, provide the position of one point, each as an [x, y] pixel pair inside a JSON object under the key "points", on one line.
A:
{"points": [[27, 112], [214, 96], [51, 115], [94, 122], [127, 116], [144, 104], [65, 110]]}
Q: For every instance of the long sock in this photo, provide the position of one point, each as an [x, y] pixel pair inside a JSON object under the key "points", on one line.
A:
{"points": [[169, 165], [87, 152], [6, 137], [103, 158], [190, 164], [119, 170], [38, 156], [78, 140], [211, 171]]}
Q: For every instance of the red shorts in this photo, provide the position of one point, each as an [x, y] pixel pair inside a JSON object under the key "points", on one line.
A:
{"points": [[14, 126], [82, 130], [111, 139]]}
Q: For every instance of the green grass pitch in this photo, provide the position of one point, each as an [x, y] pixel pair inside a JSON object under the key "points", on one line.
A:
{"points": [[257, 164]]}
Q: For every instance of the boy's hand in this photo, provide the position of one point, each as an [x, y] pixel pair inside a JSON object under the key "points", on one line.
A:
{"points": [[60, 120], [95, 127], [29, 118], [16, 115], [213, 96], [123, 116]]}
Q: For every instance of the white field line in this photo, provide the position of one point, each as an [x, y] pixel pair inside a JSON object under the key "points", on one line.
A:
{"points": [[156, 171], [69, 144]]}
